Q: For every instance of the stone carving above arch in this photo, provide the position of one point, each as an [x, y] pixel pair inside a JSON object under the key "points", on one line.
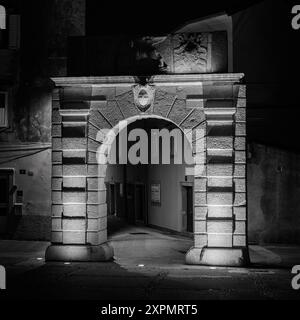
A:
{"points": [[143, 96], [190, 52]]}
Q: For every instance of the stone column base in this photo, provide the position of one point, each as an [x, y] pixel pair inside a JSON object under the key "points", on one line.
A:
{"points": [[227, 257], [80, 253]]}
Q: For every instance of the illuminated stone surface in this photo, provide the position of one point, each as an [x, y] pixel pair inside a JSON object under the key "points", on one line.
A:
{"points": [[79, 198]]}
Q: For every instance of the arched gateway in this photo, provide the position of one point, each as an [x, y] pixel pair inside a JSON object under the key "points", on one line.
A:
{"points": [[84, 107]]}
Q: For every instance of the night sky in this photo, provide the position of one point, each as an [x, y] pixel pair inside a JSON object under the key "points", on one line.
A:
{"points": [[152, 17]]}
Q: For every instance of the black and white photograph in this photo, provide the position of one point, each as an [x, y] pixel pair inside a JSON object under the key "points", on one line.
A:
{"points": [[149, 156]]}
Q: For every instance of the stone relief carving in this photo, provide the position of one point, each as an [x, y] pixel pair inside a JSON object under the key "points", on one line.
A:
{"points": [[143, 96], [190, 52]]}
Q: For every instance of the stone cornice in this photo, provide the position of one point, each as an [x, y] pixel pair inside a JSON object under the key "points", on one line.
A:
{"points": [[167, 80]]}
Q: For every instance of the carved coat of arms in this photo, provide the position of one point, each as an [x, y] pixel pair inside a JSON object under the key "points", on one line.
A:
{"points": [[143, 96]]}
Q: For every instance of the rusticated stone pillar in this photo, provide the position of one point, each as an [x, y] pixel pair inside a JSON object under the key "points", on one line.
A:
{"points": [[220, 188], [78, 196]]}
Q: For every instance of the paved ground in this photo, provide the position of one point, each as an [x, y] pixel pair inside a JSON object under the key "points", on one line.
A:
{"points": [[148, 265]]}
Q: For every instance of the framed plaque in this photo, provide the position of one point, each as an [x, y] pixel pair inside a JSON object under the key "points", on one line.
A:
{"points": [[155, 194]]}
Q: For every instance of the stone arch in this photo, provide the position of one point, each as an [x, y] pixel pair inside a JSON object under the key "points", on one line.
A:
{"points": [[108, 139], [112, 134], [215, 101]]}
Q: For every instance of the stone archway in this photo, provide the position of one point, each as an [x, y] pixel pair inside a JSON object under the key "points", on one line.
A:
{"points": [[154, 166], [82, 107]]}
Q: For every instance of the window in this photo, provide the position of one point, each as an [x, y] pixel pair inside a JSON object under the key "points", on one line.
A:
{"points": [[2, 18], [3, 109]]}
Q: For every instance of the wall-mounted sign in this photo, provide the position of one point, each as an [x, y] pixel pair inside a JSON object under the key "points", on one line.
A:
{"points": [[155, 194]]}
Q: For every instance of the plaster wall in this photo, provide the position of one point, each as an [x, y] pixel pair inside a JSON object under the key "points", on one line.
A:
{"points": [[273, 195]]}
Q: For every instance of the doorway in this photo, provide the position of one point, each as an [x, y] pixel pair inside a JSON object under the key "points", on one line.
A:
{"points": [[6, 199], [187, 208], [140, 203]]}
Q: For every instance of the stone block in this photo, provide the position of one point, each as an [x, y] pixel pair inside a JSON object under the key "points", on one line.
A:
{"points": [[56, 210], [240, 171], [74, 197], [74, 170], [200, 226], [74, 237], [200, 213], [219, 170], [200, 184], [240, 129], [219, 142], [74, 182], [242, 91], [56, 183], [99, 120], [74, 224], [74, 154], [200, 198], [56, 197], [200, 240], [240, 213], [240, 115], [56, 224], [220, 153], [56, 130], [74, 143], [240, 143], [94, 183], [93, 238], [219, 198], [74, 210], [220, 212], [239, 241], [240, 227], [241, 103], [111, 113], [220, 240], [56, 157], [239, 199], [96, 197], [240, 185], [194, 102], [56, 144], [240, 157], [93, 145], [198, 171], [220, 91], [92, 157], [56, 237], [93, 170], [56, 170], [96, 238], [221, 227], [98, 104], [56, 117], [220, 182]]}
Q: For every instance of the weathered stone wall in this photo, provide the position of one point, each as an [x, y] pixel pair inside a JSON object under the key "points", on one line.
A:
{"points": [[273, 194], [46, 26]]}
